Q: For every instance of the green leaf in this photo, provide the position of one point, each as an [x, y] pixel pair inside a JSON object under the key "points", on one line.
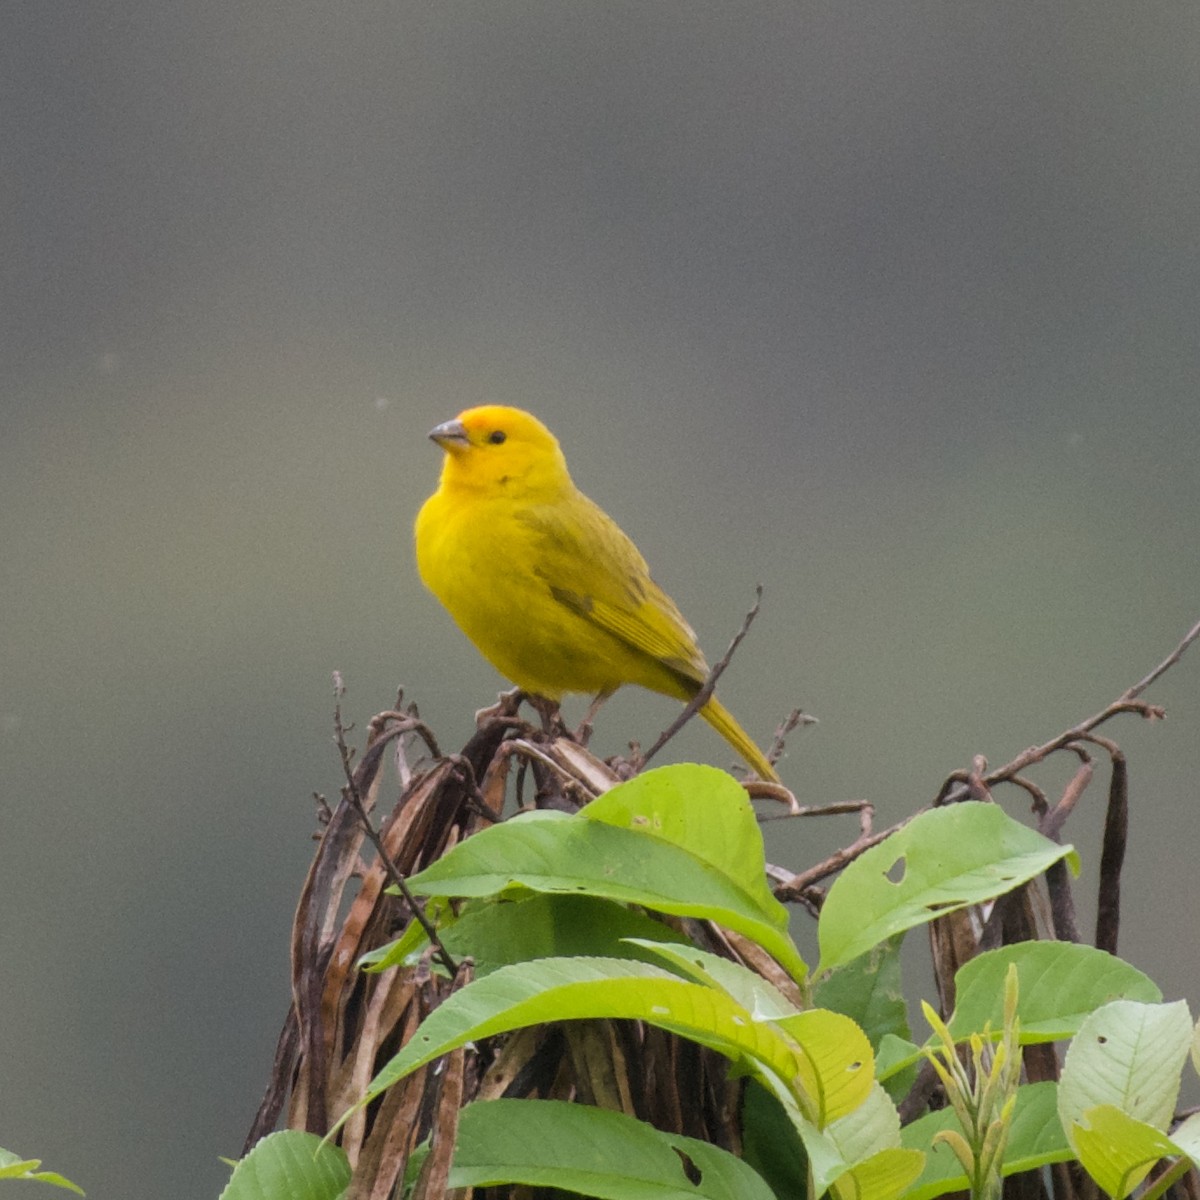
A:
{"points": [[1035, 1139], [1060, 985], [559, 989], [943, 860], [754, 993], [499, 933], [12, 1166], [895, 1056], [703, 811], [873, 1126], [868, 989], [837, 1066], [594, 1152], [549, 852], [1117, 1150], [883, 1176], [290, 1164], [1127, 1055], [859, 1155]]}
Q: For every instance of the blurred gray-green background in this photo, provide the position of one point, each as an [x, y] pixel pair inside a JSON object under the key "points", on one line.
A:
{"points": [[891, 307]]}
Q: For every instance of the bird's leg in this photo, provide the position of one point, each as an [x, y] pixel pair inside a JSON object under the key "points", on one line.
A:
{"points": [[584, 733], [548, 710], [505, 708]]}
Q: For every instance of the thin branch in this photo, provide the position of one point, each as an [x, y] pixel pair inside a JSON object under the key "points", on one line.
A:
{"points": [[396, 722], [793, 888], [1040, 804], [836, 809], [792, 721], [961, 785], [1165, 665], [354, 797], [1127, 701], [702, 697], [1051, 824], [461, 765]]}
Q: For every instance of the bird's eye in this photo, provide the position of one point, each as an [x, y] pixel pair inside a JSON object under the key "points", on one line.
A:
{"points": [[497, 436]]}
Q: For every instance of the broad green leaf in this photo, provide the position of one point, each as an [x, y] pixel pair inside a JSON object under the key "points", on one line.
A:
{"points": [[943, 860], [498, 933], [835, 1154], [824, 1158], [1035, 1139], [1060, 985], [12, 1166], [868, 989], [701, 810], [873, 1126], [895, 1055], [1117, 1150], [755, 994], [560, 989], [549, 852], [1127, 1055], [293, 1164], [837, 1065], [594, 1152], [883, 1176]]}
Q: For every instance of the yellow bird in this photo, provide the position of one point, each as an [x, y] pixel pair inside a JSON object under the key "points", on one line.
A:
{"points": [[551, 591]]}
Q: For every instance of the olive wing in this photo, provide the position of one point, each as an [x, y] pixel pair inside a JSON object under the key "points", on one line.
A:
{"points": [[593, 568]]}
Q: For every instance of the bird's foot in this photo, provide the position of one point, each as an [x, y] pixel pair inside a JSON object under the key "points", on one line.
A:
{"points": [[505, 709], [548, 710]]}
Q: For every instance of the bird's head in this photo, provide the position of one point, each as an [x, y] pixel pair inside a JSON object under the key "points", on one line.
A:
{"points": [[493, 448]]}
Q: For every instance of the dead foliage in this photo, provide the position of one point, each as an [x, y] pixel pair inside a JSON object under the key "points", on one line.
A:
{"points": [[344, 1025]]}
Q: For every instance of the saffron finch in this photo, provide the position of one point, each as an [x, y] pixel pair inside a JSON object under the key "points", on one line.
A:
{"points": [[544, 582]]}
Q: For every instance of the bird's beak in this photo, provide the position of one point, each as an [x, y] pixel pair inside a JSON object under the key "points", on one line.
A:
{"points": [[450, 434]]}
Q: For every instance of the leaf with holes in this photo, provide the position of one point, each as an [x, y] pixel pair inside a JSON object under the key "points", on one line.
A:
{"points": [[1060, 985], [943, 860], [592, 1152], [1127, 1055], [837, 1066]]}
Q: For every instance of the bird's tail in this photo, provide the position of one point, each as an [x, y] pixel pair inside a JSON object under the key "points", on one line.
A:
{"points": [[722, 720]]}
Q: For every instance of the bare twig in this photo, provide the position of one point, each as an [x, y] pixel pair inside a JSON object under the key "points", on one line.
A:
{"points": [[792, 721], [1164, 666], [793, 888], [962, 785], [474, 797], [354, 798], [1127, 701], [1051, 824], [397, 721], [836, 809], [702, 697]]}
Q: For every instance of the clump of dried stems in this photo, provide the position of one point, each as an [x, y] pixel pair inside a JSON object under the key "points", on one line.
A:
{"points": [[343, 1024]]}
